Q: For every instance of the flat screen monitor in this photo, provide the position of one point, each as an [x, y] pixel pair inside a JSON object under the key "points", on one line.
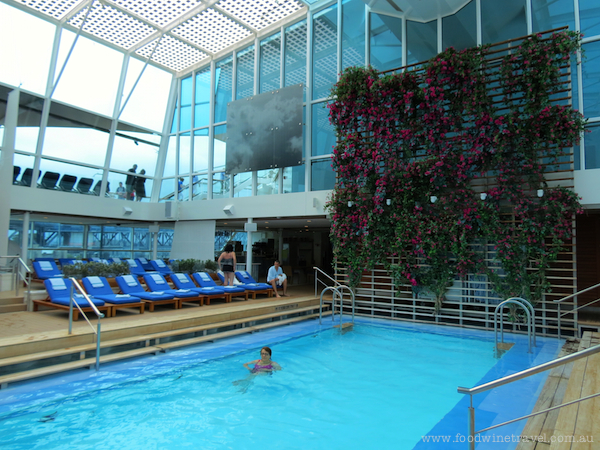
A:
{"points": [[265, 131]]}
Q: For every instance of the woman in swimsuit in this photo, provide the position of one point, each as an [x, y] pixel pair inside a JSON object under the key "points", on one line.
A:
{"points": [[264, 364], [227, 263]]}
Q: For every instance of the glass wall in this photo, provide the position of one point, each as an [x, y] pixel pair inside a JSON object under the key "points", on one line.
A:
{"points": [[270, 63], [81, 241], [386, 42], [324, 67], [460, 30]]}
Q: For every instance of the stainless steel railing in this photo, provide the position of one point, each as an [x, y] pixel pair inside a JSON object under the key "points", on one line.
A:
{"points": [[518, 376], [530, 319], [20, 273], [573, 311], [337, 293], [75, 285]]}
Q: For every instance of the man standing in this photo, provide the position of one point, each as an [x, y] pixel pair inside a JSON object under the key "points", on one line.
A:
{"points": [[276, 277], [130, 182], [121, 191]]}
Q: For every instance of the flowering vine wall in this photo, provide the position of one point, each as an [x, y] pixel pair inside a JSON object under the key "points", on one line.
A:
{"points": [[410, 138]]}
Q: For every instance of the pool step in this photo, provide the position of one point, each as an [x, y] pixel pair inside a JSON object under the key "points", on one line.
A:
{"points": [[246, 325]]}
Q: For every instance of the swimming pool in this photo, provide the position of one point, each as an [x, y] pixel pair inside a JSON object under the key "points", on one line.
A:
{"points": [[382, 385]]}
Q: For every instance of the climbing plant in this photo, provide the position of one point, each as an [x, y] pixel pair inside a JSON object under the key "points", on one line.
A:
{"points": [[411, 147]]}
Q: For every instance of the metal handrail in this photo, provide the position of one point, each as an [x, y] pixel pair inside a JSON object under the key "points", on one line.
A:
{"points": [[573, 311], [530, 319], [518, 376], [317, 270], [16, 274], [336, 290], [75, 284]]}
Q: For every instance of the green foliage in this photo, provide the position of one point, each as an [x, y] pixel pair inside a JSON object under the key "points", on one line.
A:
{"points": [[408, 138], [98, 269], [192, 265]]}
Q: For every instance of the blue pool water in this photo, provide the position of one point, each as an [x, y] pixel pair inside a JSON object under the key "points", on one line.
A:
{"points": [[383, 385]]}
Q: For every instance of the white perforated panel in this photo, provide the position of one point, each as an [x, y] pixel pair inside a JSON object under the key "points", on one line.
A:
{"points": [[160, 12], [57, 8], [259, 13], [112, 25], [211, 31], [173, 53]]}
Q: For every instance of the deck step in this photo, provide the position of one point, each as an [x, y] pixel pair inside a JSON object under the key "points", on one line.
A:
{"points": [[12, 308], [157, 347]]}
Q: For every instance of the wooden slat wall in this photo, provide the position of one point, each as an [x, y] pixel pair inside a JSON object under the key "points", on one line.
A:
{"points": [[471, 302]]}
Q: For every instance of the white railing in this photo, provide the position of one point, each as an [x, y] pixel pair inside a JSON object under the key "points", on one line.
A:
{"points": [[573, 311]]}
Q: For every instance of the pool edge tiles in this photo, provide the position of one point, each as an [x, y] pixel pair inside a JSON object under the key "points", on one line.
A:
{"points": [[498, 405]]}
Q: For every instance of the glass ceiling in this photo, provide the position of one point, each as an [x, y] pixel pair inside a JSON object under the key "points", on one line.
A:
{"points": [[178, 35]]}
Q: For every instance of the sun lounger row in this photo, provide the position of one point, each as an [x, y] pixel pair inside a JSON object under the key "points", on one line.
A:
{"points": [[47, 268], [134, 295]]}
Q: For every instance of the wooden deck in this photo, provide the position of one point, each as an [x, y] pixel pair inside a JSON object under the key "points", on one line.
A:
{"points": [[574, 427], [21, 331]]}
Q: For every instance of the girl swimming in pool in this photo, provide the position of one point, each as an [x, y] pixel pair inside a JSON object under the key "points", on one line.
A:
{"points": [[264, 364]]}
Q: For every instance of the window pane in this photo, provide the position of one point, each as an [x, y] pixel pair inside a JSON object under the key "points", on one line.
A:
{"points": [[219, 150], [142, 188], [295, 55], [167, 190], [165, 241], [353, 33], [142, 239], [592, 147], [148, 102], [185, 104], [323, 176], [325, 52], [94, 236], [202, 112], [386, 42], [28, 122], [170, 161], [23, 168], [91, 76], [503, 20], [115, 238], [71, 235], [267, 182], [184, 154], [201, 150], [421, 41], [323, 136], [270, 63], [459, 30], [223, 88], [245, 73], [220, 185], [591, 79], [200, 187], [294, 179], [549, 14], [589, 12], [74, 135], [45, 235], [242, 184], [127, 152], [87, 178], [25, 55]]}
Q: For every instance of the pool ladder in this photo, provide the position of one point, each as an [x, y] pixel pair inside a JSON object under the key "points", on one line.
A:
{"points": [[337, 294], [530, 320]]}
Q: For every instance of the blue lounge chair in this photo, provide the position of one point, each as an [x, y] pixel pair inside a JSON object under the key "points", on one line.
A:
{"points": [[159, 266], [129, 284], [204, 280], [59, 297], [250, 283], [157, 283], [145, 264], [46, 269], [99, 288], [135, 267], [68, 261], [183, 281]]}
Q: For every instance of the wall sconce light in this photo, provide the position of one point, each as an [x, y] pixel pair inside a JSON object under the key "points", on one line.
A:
{"points": [[388, 201], [433, 199], [350, 203], [540, 193], [483, 196]]}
